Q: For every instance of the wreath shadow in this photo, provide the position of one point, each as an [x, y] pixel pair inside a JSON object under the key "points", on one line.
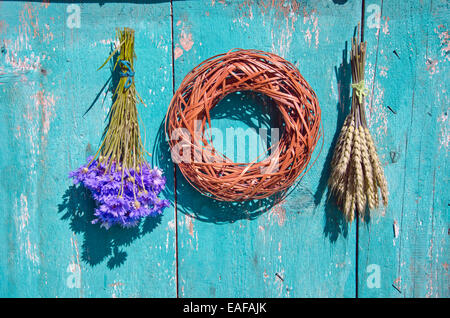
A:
{"points": [[258, 112]]}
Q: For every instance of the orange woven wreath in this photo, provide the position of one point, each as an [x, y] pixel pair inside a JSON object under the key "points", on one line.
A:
{"points": [[243, 70]]}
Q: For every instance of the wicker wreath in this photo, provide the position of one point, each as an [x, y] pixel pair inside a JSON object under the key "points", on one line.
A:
{"points": [[210, 171]]}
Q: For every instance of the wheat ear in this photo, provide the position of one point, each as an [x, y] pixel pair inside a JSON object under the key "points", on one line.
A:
{"points": [[347, 149], [340, 143], [368, 172], [359, 177], [376, 166]]}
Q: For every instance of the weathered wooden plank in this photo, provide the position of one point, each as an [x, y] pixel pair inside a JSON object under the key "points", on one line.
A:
{"points": [[407, 74], [48, 78], [301, 247]]}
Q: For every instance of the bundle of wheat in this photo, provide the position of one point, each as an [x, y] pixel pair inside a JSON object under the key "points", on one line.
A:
{"points": [[356, 171]]}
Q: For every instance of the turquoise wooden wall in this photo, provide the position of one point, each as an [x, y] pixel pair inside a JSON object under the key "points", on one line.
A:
{"points": [[203, 248]]}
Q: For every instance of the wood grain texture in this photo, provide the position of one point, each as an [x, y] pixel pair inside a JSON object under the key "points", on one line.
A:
{"points": [[299, 248], [407, 70], [49, 79]]}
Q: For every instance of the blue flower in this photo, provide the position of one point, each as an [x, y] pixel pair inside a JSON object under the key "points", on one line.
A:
{"points": [[124, 201]]}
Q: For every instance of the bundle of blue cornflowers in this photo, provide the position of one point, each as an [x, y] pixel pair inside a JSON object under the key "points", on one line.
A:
{"points": [[119, 178]]}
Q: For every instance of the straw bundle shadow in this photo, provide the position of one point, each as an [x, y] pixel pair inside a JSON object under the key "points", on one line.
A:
{"points": [[210, 171]]}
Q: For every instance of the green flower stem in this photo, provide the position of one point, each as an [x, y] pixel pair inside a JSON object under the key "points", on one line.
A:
{"points": [[121, 143]]}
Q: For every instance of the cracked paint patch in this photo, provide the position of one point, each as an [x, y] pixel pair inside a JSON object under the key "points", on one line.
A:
{"points": [[432, 66], [45, 102], [444, 39], [185, 42], [444, 135], [311, 19]]}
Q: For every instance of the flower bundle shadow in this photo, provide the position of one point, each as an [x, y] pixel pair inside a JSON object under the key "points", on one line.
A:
{"points": [[124, 185]]}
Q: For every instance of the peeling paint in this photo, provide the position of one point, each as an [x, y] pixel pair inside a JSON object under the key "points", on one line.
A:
{"points": [[45, 102], [189, 225], [444, 38], [178, 52], [27, 247], [432, 66], [280, 212], [385, 27], [186, 40], [312, 20], [444, 134]]}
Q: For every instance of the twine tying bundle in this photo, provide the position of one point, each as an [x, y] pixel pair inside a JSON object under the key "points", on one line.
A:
{"points": [[129, 73], [122, 138], [217, 176], [360, 90]]}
